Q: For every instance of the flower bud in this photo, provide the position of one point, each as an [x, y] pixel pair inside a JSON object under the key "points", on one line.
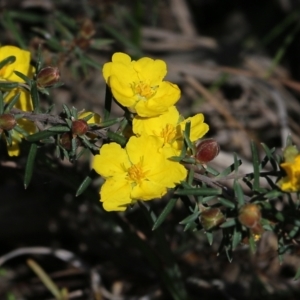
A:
{"points": [[207, 150], [290, 153], [7, 121], [250, 215], [211, 217], [47, 77], [79, 127], [66, 141]]}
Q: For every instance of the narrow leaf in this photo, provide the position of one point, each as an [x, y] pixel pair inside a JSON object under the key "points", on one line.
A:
{"points": [[255, 161], [238, 191], [199, 192], [12, 102], [35, 97], [30, 165], [39, 136], [59, 128], [168, 208], [228, 223], [84, 185], [228, 170]]}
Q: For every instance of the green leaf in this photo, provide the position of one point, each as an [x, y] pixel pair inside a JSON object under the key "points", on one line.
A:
{"points": [[107, 102], [168, 208], [12, 102], [39, 136], [252, 243], [269, 153], [35, 97], [236, 238], [199, 192], [238, 191], [212, 171], [255, 162], [228, 223], [59, 128], [8, 85], [229, 170], [7, 61], [210, 237], [20, 130], [110, 122], [121, 140], [190, 218], [84, 184], [297, 275], [30, 165], [1, 103], [24, 77], [226, 202], [273, 194], [186, 135]]}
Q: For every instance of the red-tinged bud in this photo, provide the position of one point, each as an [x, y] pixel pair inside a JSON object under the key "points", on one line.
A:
{"points": [[7, 121], [250, 215], [207, 150], [80, 127], [47, 77], [211, 217], [66, 140]]}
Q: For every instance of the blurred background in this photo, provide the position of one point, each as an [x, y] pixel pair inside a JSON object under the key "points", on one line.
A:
{"points": [[237, 62]]}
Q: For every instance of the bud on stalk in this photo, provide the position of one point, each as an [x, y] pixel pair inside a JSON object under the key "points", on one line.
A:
{"points": [[7, 121], [47, 77], [211, 217], [250, 215], [207, 150], [80, 127]]}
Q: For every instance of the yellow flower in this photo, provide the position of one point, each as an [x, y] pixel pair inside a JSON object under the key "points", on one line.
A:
{"points": [[141, 171], [169, 128], [139, 84], [21, 64], [94, 119], [291, 183]]}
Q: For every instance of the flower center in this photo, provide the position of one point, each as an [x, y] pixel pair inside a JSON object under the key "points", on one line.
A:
{"points": [[144, 90], [168, 133], [136, 173], [2, 72]]}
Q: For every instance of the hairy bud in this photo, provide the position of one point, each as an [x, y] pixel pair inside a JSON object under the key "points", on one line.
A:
{"points": [[250, 215], [7, 121], [211, 217], [80, 127], [47, 77], [207, 150]]}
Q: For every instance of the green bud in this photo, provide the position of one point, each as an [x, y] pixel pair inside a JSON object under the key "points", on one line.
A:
{"points": [[47, 77], [211, 217]]}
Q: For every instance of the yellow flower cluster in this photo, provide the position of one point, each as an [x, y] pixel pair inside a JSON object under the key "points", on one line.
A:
{"points": [[291, 182], [22, 65], [143, 170]]}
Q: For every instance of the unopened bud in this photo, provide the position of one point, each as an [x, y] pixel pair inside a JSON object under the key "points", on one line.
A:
{"points": [[250, 215], [80, 127], [7, 121], [207, 150], [47, 77], [66, 141], [290, 153], [211, 217]]}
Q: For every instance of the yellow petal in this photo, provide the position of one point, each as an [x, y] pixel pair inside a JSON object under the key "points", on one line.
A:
{"points": [[112, 161]]}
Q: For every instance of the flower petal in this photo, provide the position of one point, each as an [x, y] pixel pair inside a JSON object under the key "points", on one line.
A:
{"points": [[112, 161]]}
